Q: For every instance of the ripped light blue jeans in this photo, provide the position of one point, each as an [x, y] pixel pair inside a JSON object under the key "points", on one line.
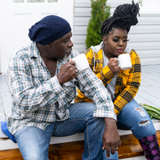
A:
{"points": [[33, 142], [135, 118]]}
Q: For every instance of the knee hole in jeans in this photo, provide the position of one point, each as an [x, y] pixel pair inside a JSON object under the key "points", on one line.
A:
{"points": [[144, 123]]}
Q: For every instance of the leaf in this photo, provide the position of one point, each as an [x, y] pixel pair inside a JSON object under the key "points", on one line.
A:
{"points": [[154, 112]]}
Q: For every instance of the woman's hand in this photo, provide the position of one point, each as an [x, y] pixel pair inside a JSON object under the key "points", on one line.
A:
{"points": [[114, 65]]}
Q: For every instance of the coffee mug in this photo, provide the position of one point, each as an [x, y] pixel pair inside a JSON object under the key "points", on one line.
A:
{"points": [[124, 61], [81, 62]]}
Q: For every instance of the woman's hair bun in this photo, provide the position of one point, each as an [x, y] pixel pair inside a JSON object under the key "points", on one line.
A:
{"points": [[127, 12], [124, 17]]}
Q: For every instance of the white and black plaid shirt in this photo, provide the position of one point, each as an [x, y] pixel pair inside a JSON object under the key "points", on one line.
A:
{"points": [[39, 99]]}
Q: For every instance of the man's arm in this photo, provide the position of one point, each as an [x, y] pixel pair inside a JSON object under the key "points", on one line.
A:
{"points": [[103, 73], [93, 88], [23, 90]]}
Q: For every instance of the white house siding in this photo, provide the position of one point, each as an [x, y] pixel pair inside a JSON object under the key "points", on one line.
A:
{"points": [[144, 37], [18, 16]]}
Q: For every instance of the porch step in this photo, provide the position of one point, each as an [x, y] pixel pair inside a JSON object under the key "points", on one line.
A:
{"points": [[73, 150]]}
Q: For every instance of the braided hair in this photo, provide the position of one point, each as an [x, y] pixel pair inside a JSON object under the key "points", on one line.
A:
{"points": [[124, 17]]}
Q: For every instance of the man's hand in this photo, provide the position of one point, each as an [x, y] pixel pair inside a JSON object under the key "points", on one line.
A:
{"points": [[111, 138], [113, 65], [67, 72]]}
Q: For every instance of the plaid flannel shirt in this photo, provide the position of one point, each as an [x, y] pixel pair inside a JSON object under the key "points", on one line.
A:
{"points": [[39, 99], [127, 83]]}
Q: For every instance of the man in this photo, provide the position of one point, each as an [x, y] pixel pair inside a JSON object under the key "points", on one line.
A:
{"points": [[43, 81]]}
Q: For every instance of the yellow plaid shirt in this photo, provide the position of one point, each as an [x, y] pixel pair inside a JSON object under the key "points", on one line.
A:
{"points": [[127, 83]]}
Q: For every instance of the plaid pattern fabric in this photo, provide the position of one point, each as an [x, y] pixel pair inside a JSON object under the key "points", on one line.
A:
{"points": [[39, 99], [127, 83]]}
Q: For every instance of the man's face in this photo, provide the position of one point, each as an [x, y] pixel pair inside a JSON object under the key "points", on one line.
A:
{"points": [[60, 48], [115, 42]]}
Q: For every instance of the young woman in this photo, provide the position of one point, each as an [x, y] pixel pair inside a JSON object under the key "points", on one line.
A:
{"points": [[123, 84]]}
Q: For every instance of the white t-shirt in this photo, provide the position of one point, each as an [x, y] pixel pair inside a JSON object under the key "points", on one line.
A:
{"points": [[111, 85]]}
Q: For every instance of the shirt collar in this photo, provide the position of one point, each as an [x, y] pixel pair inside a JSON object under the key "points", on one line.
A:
{"points": [[34, 52]]}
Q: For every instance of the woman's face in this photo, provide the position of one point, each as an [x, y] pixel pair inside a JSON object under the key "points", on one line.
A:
{"points": [[115, 42]]}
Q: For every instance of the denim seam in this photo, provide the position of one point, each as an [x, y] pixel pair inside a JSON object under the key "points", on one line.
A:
{"points": [[87, 141]]}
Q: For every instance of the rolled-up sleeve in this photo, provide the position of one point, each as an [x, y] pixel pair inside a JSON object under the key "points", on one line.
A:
{"points": [[94, 89]]}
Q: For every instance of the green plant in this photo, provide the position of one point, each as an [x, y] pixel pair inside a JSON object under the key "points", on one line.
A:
{"points": [[153, 112], [140, 2], [100, 12]]}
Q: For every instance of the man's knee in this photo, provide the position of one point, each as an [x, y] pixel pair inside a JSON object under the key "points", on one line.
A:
{"points": [[90, 107], [34, 156], [33, 143], [87, 109], [34, 152]]}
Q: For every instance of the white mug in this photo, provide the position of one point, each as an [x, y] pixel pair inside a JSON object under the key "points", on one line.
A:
{"points": [[81, 62], [124, 61]]}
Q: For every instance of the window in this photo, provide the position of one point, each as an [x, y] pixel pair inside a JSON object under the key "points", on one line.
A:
{"points": [[35, 7], [52, 0], [19, 1], [34, 1]]}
